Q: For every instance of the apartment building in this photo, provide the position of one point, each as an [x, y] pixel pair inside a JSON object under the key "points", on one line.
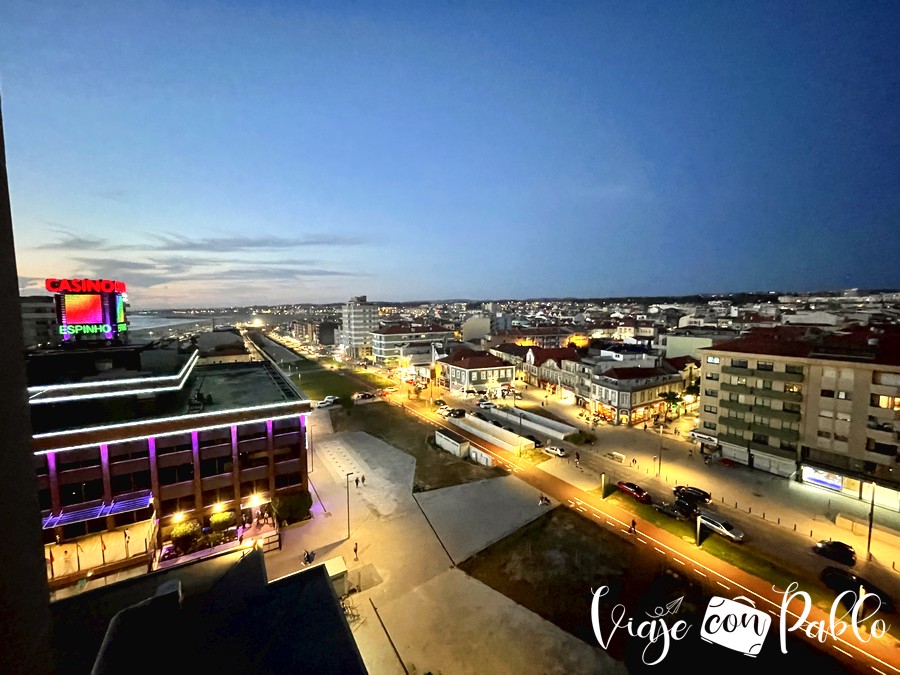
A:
{"points": [[359, 318], [39, 324], [820, 406], [467, 371], [630, 396], [407, 345]]}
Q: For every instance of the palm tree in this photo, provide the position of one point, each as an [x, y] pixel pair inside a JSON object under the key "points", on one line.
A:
{"points": [[670, 398]]}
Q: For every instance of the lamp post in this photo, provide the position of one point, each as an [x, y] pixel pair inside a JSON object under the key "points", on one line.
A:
{"points": [[348, 504], [659, 463], [871, 523]]}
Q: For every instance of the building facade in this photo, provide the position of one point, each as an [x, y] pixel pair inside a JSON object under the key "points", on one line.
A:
{"points": [[358, 319], [468, 371], [407, 345], [629, 396], [39, 324], [822, 407]]}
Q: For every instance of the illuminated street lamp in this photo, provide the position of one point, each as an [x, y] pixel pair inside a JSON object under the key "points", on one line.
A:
{"points": [[659, 463], [348, 503]]}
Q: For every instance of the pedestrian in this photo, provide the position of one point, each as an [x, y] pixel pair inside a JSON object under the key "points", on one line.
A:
{"points": [[691, 453], [633, 526], [634, 461], [355, 551], [67, 559], [577, 457], [364, 480], [645, 426], [357, 481]]}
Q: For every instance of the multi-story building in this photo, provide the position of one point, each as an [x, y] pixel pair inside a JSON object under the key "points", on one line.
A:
{"points": [[359, 318], [548, 337], [39, 324], [407, 345], [633, 395], [470, 371], [544, 367], [820, 406], [134, 439]]}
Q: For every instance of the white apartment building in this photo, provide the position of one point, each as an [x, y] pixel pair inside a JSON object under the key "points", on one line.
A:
{"points": [[39, 322], [822, 407], [358, 319], [407, 345]]}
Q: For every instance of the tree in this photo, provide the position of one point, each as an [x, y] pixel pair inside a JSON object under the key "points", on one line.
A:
{"points": [[692, 389], [671, 399]]}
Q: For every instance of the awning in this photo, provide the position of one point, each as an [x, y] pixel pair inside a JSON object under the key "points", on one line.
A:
{"points": [[134, 501]]}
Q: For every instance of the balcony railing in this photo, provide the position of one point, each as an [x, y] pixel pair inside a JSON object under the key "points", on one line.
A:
{"points": [[783, 434], [778, 375]]}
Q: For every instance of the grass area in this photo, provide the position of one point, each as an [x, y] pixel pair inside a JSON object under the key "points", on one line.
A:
{"points": [[434, 468], [551, 565], [747, 559], [373, 377]]}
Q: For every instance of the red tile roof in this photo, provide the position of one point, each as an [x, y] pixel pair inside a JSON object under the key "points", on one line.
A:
{"points": [[558, 354], [681, 362], [867, 344], [468, 359]]}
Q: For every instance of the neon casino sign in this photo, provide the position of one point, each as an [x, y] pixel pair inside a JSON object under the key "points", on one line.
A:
{"points": [[89, 307]]}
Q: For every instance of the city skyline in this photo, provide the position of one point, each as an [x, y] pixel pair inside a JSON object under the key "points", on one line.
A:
{"points": [[218, 155]]}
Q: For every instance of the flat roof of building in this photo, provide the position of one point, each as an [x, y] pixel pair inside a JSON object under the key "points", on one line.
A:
{"points": [[209, 389]]}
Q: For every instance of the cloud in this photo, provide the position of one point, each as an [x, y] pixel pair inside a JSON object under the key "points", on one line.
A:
{"points": [[76, 242], [178, 242]]}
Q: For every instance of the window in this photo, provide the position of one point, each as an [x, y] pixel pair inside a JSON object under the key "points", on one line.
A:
{"points": [[762, 439], [791, 407], [711, 392], [826, 413], [710, 409], [712, 359], [881, 448], [789, 445], [765, 384], [842, 416], [765, 365], [739, 380], [843, 395], [761, 402], [739, 363], [828, 393], [712, 376], [793, 389], [824, 434], [793, 368], [839, 437], [709, 425]]}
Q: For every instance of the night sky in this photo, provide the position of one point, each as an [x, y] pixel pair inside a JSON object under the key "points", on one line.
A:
{"points": [[227, 153]]}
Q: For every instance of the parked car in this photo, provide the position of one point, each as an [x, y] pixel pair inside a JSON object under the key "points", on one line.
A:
{"points": [[444, 411], [496, 423], [456, 413], [485, 404], [693, 494], [390, 390], [537, 443], [332, 399], [669, 509], [635, 490], [440, 402], [480, 416], [722, 527], [363, 395], [839, 580], [836, 550], [555, 450], [324, 404], [687, 508]]}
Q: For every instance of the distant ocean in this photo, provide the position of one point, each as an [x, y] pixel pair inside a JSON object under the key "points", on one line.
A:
{"points": [[143, 322]]}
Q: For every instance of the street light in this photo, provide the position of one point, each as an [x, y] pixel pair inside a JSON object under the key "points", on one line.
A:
{"points": [[348, 504], [659, 464], [871, 523]]}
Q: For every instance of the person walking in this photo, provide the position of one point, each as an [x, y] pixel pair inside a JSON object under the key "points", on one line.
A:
{"points": [[357, 481], [364, 480], [633, 527], [691, 453], [355, 551]]}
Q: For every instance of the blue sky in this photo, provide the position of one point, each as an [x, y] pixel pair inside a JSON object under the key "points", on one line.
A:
{"points": [[219, 153]]}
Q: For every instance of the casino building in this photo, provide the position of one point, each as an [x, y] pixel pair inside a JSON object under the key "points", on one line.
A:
{"points": [[129, 440]]}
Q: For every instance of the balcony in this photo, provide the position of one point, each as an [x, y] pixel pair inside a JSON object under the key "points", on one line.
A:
{"points": [[733, 439], [782, 434], [736, 388], [778, 376], [734, 423], [735, 405], [764, 393], [734, 370], [784, 415]]}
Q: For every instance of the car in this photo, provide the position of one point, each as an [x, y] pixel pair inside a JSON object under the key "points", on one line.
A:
{"points": [[485, 404], [687, 508], [496, 423], [537, 443], [840, 580], [510, 429], [836, 550], [363, 395], [333, 399], [722, 527], [480, 416], [670, 510], [324, 404], [444, 411], [555, 450], [693, 494], [390, 390], [456, 413], [635, 490], [440, 402]]}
